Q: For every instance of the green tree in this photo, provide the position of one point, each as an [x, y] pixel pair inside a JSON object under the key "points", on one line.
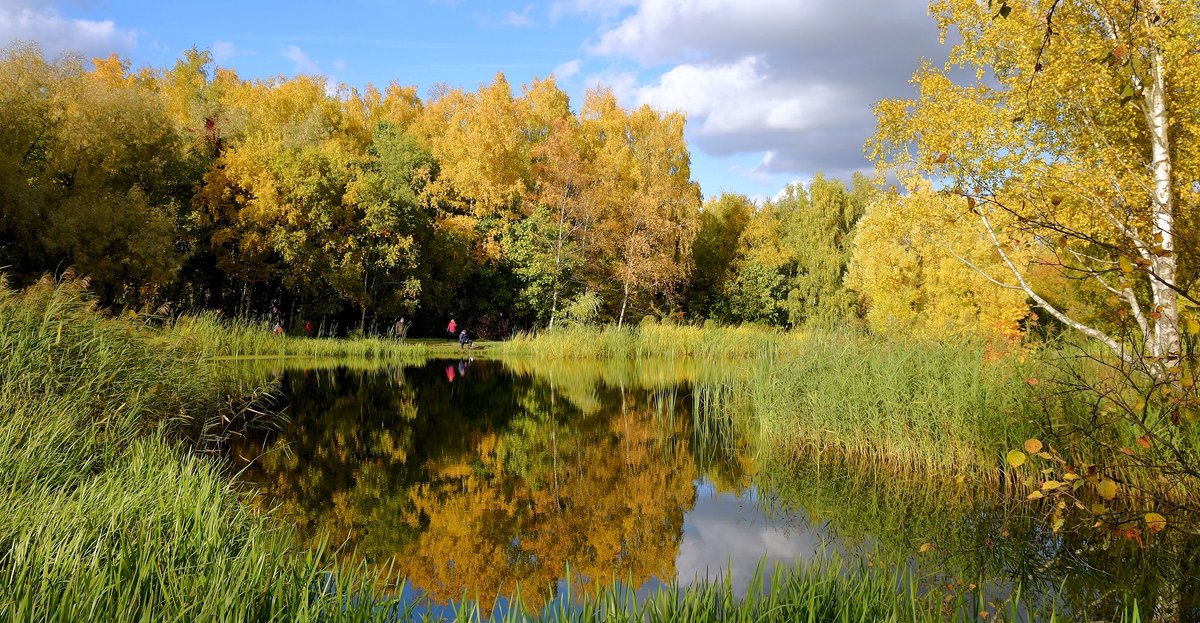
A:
{"points": [[722, 221]]}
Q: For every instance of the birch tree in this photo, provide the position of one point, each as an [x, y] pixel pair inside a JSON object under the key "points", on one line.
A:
{"points": [[1080, 130]]}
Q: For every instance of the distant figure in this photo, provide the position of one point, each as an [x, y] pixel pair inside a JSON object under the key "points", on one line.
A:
{"points": [[452, 328], [450, 373], [464, 341], [276, 321], [308, 328], [399, 328]]}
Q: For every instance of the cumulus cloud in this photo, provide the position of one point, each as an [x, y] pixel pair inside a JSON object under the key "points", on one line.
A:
{"points": [[724, 534], [793, 81], [567, 69], [304, 64], [623, 84], [44, 24]]}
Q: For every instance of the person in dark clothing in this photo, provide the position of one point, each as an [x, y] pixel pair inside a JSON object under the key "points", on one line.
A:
{"points": [[464, 341]]}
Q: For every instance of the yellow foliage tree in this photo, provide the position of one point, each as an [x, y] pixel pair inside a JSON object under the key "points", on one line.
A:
{"points": [[1081, 128], [908, 263]]}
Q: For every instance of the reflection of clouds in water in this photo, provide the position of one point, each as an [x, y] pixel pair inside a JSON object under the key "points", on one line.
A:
{"points": [[724, 533]]}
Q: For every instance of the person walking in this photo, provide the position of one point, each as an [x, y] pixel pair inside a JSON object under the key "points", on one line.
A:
{"points": [[452, 328]]}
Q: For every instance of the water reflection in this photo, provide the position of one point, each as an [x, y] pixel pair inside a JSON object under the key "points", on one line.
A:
{"points": [[473, 478]]}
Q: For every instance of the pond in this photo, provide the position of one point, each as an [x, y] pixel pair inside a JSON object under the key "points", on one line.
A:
{"points": [[476, 477]]}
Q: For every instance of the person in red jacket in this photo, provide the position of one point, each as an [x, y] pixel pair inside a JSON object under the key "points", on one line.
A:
{"points": [[452, 328]]}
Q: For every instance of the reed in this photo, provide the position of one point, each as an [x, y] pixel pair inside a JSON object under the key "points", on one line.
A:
{"points": [[918, 406], [650, 340], [111, 513], [210, 335]]}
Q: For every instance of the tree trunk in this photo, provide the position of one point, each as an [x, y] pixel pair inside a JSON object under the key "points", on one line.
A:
{"points": [[1167, 343], [557, 264], [624, 302]]}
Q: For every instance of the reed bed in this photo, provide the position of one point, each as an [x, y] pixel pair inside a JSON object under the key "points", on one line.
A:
{"points": [[917, 407], [110, 511], [922, 407], [210, 335], [651, 340]]}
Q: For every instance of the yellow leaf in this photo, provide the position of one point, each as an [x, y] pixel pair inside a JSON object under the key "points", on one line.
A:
{"points": [[1016, 458], [925, 547], [1069, 476], [1126, 265], [1051, 485], [1033, 446], [1036, 495], [1107, 489], [1193, 326], [1098, 508], [1155, 522]]}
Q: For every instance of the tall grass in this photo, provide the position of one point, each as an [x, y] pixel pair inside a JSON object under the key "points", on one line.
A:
{"points": [[913, 406], [916, 406], [208, 334], [109, 513], [649, 340]]}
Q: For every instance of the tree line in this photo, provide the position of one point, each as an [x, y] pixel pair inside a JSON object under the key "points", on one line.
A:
{"points": [[192, 186]]}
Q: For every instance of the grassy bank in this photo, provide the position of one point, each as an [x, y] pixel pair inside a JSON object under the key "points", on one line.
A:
{"points": [[110, 513], [213, 336], [651, 340]]}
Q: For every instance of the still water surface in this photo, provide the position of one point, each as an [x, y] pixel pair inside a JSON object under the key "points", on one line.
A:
{"points": [[475, 477]]}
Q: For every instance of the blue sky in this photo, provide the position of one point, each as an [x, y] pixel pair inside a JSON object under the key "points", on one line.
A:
{"points": [[774, 90]]}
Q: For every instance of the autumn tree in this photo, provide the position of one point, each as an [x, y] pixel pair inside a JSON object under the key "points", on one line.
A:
{"points": [[908, 265], [819, 224], [646, 200], [564, 176], [94, 175], [1081, 128]]}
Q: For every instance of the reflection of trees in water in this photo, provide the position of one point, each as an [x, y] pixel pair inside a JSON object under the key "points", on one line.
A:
{"points": [[976, 538], [494, 479]]}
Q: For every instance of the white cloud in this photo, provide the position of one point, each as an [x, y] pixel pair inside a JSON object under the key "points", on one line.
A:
{"points": [[567, 69], [791, 80], [729, 535], [623, 84], [43, 24], [304, 64], [520, 20], [223, 50]]}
